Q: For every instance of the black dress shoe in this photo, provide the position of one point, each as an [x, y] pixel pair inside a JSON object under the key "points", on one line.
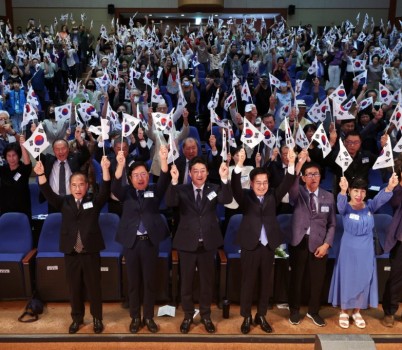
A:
{"points": [[263, 323], [74, 327], [245, 326], [151, 325], [135, 325], [209, 326], [185, 325], [98, 326]]}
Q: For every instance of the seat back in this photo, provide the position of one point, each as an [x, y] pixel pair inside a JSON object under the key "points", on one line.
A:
{"points": [[50, 234], [15, 233], [229, 245], [37, 207], [108, 223], [285, 223]]}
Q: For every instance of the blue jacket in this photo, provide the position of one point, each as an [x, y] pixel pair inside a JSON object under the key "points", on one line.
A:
{"points": [[12, 98]]}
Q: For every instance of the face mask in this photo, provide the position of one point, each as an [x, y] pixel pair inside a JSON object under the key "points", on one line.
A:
{"points": [[52, 115], [186, 83]]}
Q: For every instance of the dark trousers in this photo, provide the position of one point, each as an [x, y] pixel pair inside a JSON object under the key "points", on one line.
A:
{"points": [[141, 261], [302, 260], [393, 287], [83, 272], [255, 264], [204, 261]]}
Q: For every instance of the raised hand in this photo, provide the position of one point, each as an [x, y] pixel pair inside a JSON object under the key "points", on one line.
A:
{"points": [[224, 171], [174, 173], [343, 184]]}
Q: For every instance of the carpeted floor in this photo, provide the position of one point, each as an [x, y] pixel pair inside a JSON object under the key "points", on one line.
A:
{"points": [[56, 319]]}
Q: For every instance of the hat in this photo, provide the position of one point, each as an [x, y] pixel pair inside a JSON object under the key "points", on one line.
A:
{"points": [[249, 107], [264, 75], [301, 103]]}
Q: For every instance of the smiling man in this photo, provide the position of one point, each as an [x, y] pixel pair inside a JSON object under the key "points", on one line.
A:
{"points": [[313, 230], [198, 235], [258, 236], [80, 240]]}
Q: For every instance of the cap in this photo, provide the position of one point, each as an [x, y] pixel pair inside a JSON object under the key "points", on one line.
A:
{"points": [[301, 103], [249, 107], [264, 75]]}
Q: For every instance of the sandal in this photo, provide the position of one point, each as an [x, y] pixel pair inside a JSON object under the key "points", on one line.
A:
{"points": [[343, 320], [358, 319]]}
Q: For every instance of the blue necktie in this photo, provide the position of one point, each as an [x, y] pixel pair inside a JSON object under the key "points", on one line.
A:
{"points": [[141, 227], [263, 234]]}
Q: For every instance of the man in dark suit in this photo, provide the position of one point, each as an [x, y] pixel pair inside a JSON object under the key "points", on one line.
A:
{"points": [[198, 235], [258, 236], [80, 241], [393, 287], [313, 230], [60, 166], [140, 231], [190, 149]]}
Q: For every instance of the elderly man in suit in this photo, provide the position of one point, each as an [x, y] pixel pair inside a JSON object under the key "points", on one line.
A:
{"points": [[198, 235], [59, 167], [393, 287], [80, 240], [313, 230], [258, 236], [140, 231]]}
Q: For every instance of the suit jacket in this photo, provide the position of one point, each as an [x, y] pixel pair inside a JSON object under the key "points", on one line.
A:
{"points": [[396, 202], [276, 172], [255, 215], [322, 223], [146, 210], [74, 160], [86, 221], [192, 220]]}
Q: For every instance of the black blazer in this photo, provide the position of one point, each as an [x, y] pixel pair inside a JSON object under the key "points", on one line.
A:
{"points": [[147, 210], [255, 215], [192, 220], [74, 160], [84, 220]]}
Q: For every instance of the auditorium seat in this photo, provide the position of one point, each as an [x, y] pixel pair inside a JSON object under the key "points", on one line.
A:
{"points": [[16, 256]]}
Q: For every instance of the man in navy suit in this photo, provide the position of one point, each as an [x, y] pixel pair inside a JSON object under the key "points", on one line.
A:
{"points": [[140, 231], [313, 230], [258, 236], [80, 240], [198, 235]]}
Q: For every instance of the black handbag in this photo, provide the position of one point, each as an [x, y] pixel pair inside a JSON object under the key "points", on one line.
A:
{"points": [[33, 309], [378, 249]]}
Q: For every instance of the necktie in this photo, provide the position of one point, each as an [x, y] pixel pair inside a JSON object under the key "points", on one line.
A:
{"points": [[62, 179], [198, 198], [263, 234], [78, 246], [187, 178], [141, 227], [312, 203]]}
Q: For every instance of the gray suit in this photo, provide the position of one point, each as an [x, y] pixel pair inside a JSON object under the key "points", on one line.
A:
{"points": [[309, 231]]}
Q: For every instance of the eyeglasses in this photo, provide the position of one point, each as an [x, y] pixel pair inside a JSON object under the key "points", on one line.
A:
{"points": [[352, 143], [137, 176], [311, 175]]}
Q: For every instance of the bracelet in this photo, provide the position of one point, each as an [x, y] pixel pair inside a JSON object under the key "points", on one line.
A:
{"points": [[41, 174]]}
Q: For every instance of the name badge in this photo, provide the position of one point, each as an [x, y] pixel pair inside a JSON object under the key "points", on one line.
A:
{"points": [[324, 209], [354, 217], [211, 195], [365, 160], [148, 194], [88, 205], [17, 176]]}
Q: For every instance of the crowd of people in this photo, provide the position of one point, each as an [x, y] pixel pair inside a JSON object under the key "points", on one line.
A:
{"points": [[245, 115]]}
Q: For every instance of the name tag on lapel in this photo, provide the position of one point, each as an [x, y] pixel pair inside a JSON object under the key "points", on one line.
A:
{"points": [[17, 176], [88, 205], [211, 195], [365, 160], [148, 194], [324, 209]]}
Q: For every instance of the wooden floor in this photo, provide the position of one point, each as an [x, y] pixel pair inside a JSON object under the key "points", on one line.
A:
{"points": [[50, 331]]}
